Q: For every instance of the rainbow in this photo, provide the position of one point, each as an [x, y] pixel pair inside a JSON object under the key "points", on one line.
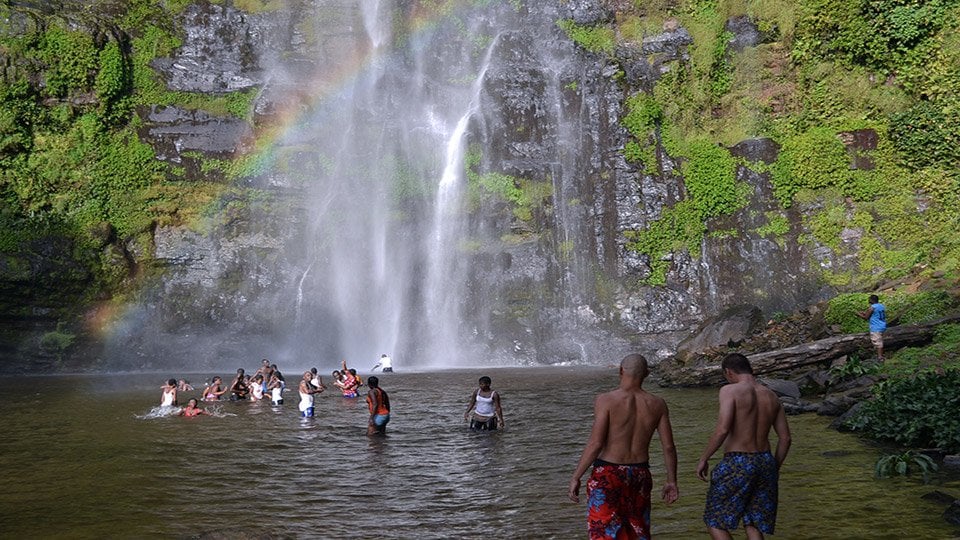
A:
{"points": [[106, 318]]}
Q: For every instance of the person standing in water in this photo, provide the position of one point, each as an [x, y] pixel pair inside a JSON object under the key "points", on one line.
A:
{"points": [[485, 404], [876, 317], [169, 396], [743, 485], [276, 389], [348, 384], [379, 404], [239, 390], [385, 364], [618, 490], [307, 390], [214, 390]]}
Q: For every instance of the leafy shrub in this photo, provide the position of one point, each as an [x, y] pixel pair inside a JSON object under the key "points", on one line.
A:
{"points": [[599, 39], [854, 367], [812, 160], [927, 135], [843, 308], [923, 306], [918, 411], [57, 341], [904, 463], [709, 175], [679, 227]]}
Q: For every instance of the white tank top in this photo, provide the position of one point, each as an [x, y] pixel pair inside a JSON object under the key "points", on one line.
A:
{"points": [[167, 398], [484, 406]]}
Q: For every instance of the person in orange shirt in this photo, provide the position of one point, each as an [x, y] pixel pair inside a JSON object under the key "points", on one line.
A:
{"points": [[379, 403]]}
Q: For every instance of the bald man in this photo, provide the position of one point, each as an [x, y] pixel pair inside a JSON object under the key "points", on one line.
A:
{"points": [[618, 490]]}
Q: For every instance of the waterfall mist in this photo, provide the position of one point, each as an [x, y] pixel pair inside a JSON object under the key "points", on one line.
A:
{"points": [[431, 198], [382, 270]]}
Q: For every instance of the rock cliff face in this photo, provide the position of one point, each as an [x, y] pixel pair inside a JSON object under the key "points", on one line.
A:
{"points": [[547, 279]]}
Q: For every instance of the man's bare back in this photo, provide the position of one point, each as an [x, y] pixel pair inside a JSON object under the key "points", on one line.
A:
{"points": [[743, 486], [631, 416], [755, 408], [623, 425]]}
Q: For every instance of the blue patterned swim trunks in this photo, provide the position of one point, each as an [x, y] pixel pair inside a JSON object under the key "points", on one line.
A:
{"points": [[743, 485]]}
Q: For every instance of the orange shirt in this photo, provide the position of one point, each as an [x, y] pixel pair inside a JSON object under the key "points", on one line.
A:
{"points": [[383, 403]]}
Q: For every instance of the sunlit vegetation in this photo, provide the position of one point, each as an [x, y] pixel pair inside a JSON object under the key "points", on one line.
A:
{"points": [[824, 69]]}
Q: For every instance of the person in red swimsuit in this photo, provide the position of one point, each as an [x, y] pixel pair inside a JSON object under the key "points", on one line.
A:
{"points": [[192, 409]]}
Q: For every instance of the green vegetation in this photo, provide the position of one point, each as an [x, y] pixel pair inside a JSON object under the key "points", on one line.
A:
{"points": [[598, 39], [904, 463], [854, 367], [71, 163], [916, 411], [831, 69], [525, 196], [902, 308]]}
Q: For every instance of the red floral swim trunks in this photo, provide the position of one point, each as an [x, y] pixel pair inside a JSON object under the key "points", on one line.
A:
{"points": [[619, 501]]}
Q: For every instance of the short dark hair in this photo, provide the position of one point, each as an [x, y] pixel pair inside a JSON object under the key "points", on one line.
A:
{"points": [[313, 370], [485, 380], [874, 299], [373, 382], [172, 382], [737, 363]]}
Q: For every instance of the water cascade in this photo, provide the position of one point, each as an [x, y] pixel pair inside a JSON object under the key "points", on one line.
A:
{"points": [[434, 197]]}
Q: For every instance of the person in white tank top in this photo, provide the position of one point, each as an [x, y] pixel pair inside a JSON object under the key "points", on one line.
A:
{"points": [[169, 396], [307, 390], [485, 404]]}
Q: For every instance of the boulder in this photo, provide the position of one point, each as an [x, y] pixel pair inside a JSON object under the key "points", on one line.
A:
{"points": [[781, 387], [839, 423], [952, 514], [797, 406], [587, 11], [730, 327], [939, 497]]}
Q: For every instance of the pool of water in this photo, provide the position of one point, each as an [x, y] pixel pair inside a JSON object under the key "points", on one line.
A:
{"points": [[84, 457]]}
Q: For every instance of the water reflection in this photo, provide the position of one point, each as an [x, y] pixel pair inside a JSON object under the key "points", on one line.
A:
{"points": [[80, 459]]}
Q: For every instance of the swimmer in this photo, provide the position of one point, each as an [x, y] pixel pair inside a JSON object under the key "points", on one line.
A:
{"points": [[214, 390], [276, 390], [238, 388], [184, 385], [256, 387], [485, 404], [307, 390], [348, 383], [169, 396], [192, 409], [379, 404], [267, 371], [317, 381]]}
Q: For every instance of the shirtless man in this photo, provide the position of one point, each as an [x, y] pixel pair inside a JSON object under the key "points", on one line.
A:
{"points": [[266, 370], [743, 485], [618, 490]]}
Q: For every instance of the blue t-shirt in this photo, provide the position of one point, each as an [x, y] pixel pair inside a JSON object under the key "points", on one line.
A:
{"points": [[878, 319]]}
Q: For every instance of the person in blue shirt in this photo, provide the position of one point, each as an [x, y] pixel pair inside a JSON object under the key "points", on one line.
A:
{"points": [[876, 316]]}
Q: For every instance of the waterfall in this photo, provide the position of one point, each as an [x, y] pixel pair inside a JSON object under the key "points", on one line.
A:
{"points": [[382, 198]]}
